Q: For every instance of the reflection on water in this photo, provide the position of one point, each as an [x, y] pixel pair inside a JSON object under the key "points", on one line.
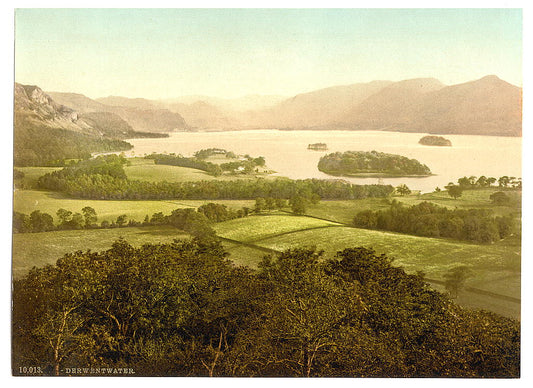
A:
{"points": [[286, 152]]}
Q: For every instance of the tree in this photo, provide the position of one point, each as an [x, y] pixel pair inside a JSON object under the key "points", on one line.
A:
{"points": [[77, 221], [482, 181], [280, 203], [259, 161], [89, 214], [121, 220], [503, 181], [298, 204], [158, 219], [403, 190], [454, 191], [260, 205], [270, 203], [21, 223], [490, 181], [303, 312], [41, 222], [455, 279], [65, 216], [465, 182]]}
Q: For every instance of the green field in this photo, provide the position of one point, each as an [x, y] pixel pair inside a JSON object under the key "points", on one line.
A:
{"points": [[479, 198], [38, 249], [495, 268], [146, 170], [431, 255], [26, 201], [256, 228], [344, 211]]}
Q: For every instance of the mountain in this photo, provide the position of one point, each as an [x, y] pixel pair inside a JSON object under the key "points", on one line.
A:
{"points": [[391, 107], [317, 109], [46, 131], [142, 115], [488, 106], [39, 107], [239, 104], [201, 114]]}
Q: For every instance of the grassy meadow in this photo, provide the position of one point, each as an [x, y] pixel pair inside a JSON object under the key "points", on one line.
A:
{"points": [[478, 198], [146, 170], [26, 201], [38, 249], [258, 228], [494, 268], [32, 174]]}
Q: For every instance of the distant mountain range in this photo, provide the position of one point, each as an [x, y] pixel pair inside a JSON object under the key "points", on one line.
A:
{"points": [[488, 106]]}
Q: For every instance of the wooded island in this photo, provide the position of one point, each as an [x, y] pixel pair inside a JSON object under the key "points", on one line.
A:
{"points": [[354, 163], [435, 141]]}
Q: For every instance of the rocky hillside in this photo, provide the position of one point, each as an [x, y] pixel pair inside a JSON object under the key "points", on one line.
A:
{"points": [[47, 132], [140, 114]]}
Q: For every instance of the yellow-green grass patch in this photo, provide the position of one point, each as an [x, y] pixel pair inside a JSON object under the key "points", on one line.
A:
{"points": [[254, 228], [26, 201], [431, 255], [38, 249]]}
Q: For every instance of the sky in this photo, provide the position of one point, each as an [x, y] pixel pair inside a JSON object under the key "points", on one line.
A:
{"points": [[166, 53]]}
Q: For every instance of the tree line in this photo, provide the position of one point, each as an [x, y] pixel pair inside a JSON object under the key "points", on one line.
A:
{"points": [[430, 220], [39, 221], [95, 179], [182, 161], [247, 165], [474, 182], [183, 309]]}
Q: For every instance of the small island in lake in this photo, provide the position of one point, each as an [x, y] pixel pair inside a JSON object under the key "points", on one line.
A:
{"points": [[362, 163], [435, 141], [318, 147]]}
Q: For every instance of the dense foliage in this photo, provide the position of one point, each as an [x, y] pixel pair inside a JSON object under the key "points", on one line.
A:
{"points": [[361, 162], [39, 221], [430, 220], [246, 165], [93, 179], [39, 145], [182, 309], [435, 141], [473, 182]]}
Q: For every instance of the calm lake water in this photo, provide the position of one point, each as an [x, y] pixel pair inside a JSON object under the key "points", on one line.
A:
{"points": [[286, 152]]}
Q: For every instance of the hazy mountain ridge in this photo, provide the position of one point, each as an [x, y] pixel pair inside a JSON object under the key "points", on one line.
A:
{"points": [[317, 109], [488, 106], [391, 107], [141, 114]]}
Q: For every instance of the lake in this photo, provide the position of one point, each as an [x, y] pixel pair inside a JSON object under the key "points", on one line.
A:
{"points": [[286, 152]]}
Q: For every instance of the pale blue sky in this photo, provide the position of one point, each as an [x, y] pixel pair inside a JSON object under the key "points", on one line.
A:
{"points": [[165, 53]]}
